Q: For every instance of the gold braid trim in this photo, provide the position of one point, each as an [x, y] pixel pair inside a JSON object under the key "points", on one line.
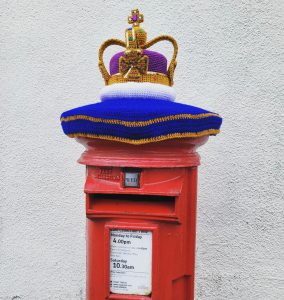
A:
{"points": [[149, 140], [106, 44], [137, 123], [173, 62], [148, 77]]}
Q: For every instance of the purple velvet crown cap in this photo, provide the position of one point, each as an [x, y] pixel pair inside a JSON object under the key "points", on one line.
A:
{"points": [[157, 62]]}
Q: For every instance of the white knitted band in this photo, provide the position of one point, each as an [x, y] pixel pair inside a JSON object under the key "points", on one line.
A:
{"points": [[145, 90]]}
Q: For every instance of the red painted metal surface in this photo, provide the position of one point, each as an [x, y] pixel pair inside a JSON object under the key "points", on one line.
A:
{"points": [[170, 153], [164, 203]]}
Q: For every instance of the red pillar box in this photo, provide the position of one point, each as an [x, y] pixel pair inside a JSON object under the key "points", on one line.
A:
{"points": [[141, 210], [141, 180]]}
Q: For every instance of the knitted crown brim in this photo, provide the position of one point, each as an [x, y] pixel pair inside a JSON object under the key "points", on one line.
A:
{"points": [[134, 90]]}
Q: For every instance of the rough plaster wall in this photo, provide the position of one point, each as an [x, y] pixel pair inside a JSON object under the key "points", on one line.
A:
{"points": [[229, 62]]}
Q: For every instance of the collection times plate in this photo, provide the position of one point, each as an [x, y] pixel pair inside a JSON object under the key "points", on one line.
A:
{"points": [[131, 262]]}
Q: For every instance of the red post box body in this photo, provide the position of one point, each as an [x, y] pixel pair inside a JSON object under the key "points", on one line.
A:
{"points": [[141, 239]]}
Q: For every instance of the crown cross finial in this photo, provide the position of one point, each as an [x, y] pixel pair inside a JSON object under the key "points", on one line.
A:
{"points": [[136, 18]]}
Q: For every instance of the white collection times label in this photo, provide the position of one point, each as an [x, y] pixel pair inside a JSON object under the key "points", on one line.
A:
{"points": [[131, 262]]}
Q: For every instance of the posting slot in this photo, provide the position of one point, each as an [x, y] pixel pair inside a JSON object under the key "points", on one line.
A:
{"points": [[128, 205]]}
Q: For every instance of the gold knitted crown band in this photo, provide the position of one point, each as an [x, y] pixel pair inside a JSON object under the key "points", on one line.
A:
{"points": [[133, 64]]}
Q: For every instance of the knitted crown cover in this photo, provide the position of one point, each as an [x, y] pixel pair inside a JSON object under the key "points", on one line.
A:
{"points": [[138, 102]]}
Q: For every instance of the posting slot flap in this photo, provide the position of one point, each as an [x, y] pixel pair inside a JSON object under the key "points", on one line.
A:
{"points": [[129, 205]]}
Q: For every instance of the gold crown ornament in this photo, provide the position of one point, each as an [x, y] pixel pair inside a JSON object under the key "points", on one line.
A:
{"points": [[137, 64]]}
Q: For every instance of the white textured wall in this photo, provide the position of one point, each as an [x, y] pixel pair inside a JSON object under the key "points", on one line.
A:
{"points": [[229, 62]]}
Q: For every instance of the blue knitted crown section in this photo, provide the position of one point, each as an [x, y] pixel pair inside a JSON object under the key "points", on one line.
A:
{"points": [[95, 119]]}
